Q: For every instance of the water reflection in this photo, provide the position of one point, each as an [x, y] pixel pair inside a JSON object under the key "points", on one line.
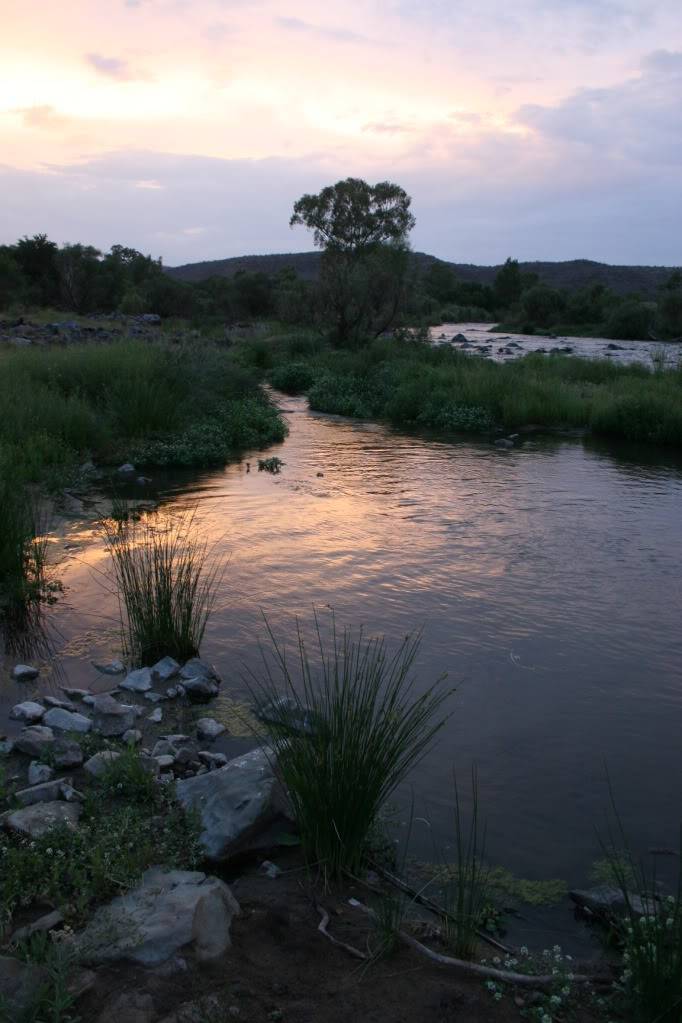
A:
{"points": [[547, 580]]}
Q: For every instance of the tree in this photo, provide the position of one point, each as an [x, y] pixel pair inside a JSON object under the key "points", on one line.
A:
{"points": [[508, 284], [541, 304], [363, 231], [440, 282]]}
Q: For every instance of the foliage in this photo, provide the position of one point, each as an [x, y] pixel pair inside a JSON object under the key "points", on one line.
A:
{"points": [[54, 1002], [369, 727], [166, 583], [508, 284], [73, 868], [630, 321], [546, 1006], [351, 215], [292, 377], [541, 305]]}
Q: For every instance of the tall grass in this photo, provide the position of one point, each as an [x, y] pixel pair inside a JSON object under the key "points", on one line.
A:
{"points": [[650, 932], [468, 890], [370, 726], [166, 582], [22, 551]]}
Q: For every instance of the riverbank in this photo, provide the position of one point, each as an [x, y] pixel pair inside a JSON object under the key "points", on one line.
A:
{"points": [[415, 385]]}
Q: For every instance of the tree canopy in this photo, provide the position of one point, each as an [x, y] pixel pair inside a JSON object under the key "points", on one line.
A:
{"points": [[352, 215]]}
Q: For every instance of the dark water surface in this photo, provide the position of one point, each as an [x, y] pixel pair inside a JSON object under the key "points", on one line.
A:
{"points": [[547, 580]]}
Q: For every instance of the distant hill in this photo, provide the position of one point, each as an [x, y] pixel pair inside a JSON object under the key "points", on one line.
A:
{"points": [[574, 273]]}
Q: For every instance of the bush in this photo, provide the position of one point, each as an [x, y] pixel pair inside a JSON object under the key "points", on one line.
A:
{"points": [[292, 377], [630, 321], [369, 728]]}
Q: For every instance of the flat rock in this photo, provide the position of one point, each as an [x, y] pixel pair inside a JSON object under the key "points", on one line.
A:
{"points": [[39, 773], [235, 802], [110, 668], [196, 668], [54, 701], [67, 720], [25, 672], [111, 717], [169, 910], [40, 818], [27, 711], [209, 728], [138, 681], [76, 694], [20, 984], [43, 792], [608, 901], [98, 764], [165, 669]]}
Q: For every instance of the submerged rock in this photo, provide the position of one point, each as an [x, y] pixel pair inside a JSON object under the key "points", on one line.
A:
{"points": [[287, 713], [168, 911], [235, 802]]}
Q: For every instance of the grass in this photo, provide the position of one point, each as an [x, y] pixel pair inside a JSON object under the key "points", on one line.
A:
{"points": [[166, 586], [74, 869], [467, 898], [370, 727], [445, 390]]}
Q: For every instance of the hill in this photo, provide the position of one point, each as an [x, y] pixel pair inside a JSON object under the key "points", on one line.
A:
{"points": [[571, 274]]}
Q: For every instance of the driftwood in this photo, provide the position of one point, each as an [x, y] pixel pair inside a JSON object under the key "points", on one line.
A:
{"points": [[537, 982], [322, 928]]}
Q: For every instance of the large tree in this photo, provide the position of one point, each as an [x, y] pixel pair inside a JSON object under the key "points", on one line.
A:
{"points": [[363, 231]]}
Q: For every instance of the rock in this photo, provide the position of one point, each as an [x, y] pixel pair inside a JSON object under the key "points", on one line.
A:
{"points": [[143, 481], [127, 467], [76, 694], [27, 711], [156, 716], [615, 348], [34, 740], [6, 747], [196, 668], [54, 701], [111, 717], [66, 753], [504, 442], [200, 689], [110, 668], [608, 901], [45, 923], [461, 338], [129, 1007], [164, 748], [165, 761], [67, 720], [235, 802], [139, 681], [287, 713], [25, 673], [132, 736], [186, 755], [44, 792], [174, 691], [269, 869], [209, 728], [39, 773], [20, 986], [154, 697], [212, 760], [170, 909], [165, 669], [98, 764], [40, 818]]}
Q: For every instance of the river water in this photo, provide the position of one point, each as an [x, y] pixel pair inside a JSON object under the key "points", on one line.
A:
{"points": [[547, 580]]}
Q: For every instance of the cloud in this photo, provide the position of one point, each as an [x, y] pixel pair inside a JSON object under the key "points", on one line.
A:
{"points": [[42, 116], [667, 62], [112, 67], [387, 128], [336, 35]]}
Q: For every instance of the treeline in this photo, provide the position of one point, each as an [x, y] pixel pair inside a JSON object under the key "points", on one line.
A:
{"points": [[77, 278]]}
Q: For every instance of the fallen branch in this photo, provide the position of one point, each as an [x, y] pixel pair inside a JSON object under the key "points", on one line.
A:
{"points": [[434, 907], [322, 928], [538, 981]]}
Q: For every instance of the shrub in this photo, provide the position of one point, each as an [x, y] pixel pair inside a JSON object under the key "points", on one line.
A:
{"points": [[630, 321], [369, 727], [166, 586], [292, 377]]}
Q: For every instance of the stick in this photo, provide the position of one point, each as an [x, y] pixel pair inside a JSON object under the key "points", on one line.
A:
{"points": [[322, 928]]}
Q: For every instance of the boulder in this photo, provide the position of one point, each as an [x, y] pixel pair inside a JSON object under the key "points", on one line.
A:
{"points": [[234, 802], [132, 737], [287, 713], [111, 717], [169, 910], [138, 681], [39, 773], [67, 720], [28, 711], [156, 716], [34, 740], [165, 669], [607, 901], [66, 753], [98, 764], [25, 673], [200, 689], [209, 728], [40, 818], [196, 668], [20, 986]]}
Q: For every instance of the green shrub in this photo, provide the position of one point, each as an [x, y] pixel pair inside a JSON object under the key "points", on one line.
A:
{"points": [[369, 727], [630, 321], [292, 377]]}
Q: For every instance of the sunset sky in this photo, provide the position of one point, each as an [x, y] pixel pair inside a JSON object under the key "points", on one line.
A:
{"points": [[542, 129]]}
